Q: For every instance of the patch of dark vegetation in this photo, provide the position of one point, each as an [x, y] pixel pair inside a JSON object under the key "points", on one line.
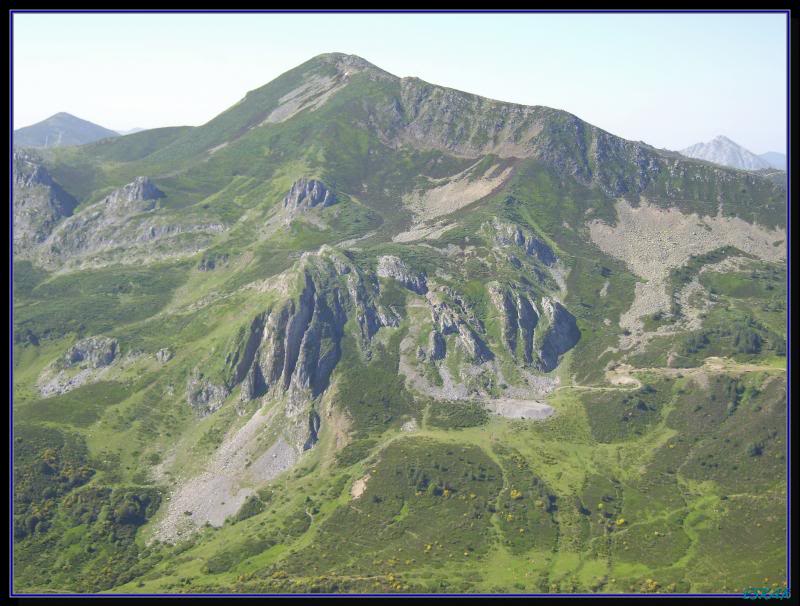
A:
{"points": [[48, 463], [426, 503], [95, 301], [739, 434], [90, 545], [447, 414], [251, 507], [617, 415], [737, 335], [373, 393], [527, 507], [355, 452]]}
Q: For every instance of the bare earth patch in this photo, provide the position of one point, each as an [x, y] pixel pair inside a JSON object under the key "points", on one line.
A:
{"points": [[621, 377], [423, 232], [359, 486], [520, 409], [312, 94], [452, 193]]}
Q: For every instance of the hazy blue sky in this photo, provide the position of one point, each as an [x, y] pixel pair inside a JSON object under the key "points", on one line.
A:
{"points": [[669, 80]]}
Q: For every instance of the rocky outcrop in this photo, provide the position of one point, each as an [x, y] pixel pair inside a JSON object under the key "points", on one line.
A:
{"points": [[520, 318], [306, 194], [164, 355], [290, 350], [88, 361], [240, 359], [393, 267], [561, 335], [295, 346], [437, 346], [451, 315], [211, 261], [124, 226], [136, 197], [92, 352], [39, 203], [539, 334], [202, 395], [313, 430], [508, 235], [528, 318]]}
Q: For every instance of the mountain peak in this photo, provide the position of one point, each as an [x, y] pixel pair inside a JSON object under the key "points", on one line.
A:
{"points": [[349, 64], [724, 151], [61, 129]]}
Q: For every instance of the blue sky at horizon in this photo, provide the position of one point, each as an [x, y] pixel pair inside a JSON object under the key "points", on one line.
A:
{"points": [[670, 80]]}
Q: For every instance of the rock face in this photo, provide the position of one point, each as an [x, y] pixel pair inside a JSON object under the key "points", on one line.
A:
{"points": [[87, 361], [393, 267], [94, 352], [296, 345], [291, 349], [561, 335], [508, 235], [164, 355], [202, 395], [39, 203], [452, 316], [126, 221], [306, 194], [520, 318], [437, 346], [539, 334], [138, 196]]}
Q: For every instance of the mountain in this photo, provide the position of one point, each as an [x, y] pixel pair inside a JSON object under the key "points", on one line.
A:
{"points": [[775, 160], [60, 130], [721, 150], [131, 131], [362, 333]]}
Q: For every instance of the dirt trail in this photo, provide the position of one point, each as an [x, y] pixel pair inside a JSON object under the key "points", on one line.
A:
{"points": [[622, 374]]}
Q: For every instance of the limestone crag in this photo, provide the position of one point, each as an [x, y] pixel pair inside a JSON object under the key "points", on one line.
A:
{"points": [[561, 334], [202, 395], [520, 318], [393, 267], [39, 203], [508, 235], [138, 196], [290, 350], [452, 316], [92, 352], [306, 194], [125, 225]]}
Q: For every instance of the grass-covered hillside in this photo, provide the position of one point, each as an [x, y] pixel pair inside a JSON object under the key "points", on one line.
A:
{"points": [[366, 334]]}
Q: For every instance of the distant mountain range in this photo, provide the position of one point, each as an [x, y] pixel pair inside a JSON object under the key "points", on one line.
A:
{"points": [[775, 159], [60, 130], [722, 150]]}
